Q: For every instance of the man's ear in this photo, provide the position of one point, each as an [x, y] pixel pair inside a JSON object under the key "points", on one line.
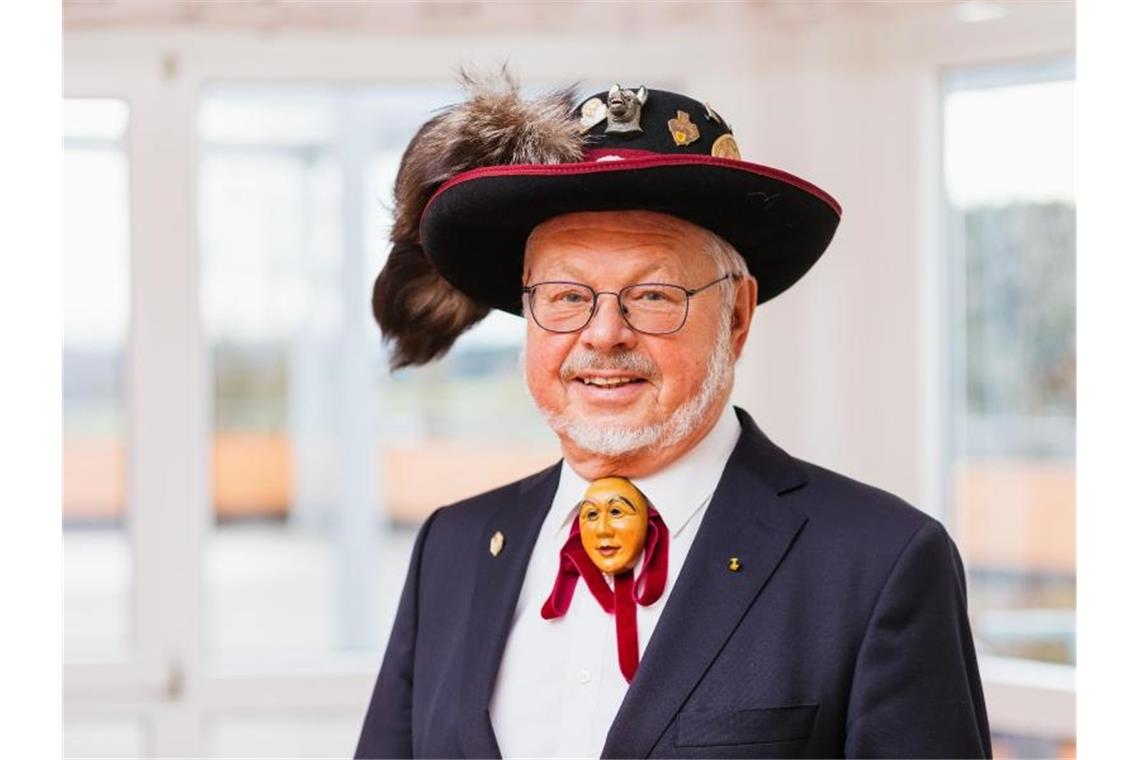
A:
{"points": [[742, 310]]}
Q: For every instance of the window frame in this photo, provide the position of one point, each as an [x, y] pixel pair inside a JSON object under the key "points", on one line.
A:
{"points": [[166, 679], [1023, 697]]}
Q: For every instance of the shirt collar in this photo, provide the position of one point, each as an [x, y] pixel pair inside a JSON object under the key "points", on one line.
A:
{"points": [[676, 491]]}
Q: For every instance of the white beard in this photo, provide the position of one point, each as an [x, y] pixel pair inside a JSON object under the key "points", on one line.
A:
{"points": [[611, 440]]}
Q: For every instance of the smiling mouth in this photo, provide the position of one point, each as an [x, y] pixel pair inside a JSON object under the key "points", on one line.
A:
{"points": [[608, 551], [608, 382]]}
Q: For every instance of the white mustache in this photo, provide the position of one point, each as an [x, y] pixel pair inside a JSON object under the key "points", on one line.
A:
{"points": [[627, 361]]}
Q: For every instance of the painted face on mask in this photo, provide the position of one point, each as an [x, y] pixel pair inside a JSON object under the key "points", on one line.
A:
{"points": [[613, 519]]}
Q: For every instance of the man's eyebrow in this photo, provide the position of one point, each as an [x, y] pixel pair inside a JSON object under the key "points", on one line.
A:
{"points": [[562, 272], [629, 503]]}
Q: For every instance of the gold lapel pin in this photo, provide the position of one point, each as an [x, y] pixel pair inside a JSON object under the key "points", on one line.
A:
{"points": [[496, 543], [734, 564]]}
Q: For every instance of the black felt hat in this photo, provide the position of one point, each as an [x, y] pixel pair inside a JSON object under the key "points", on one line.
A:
{"points": [[672, 154], [480, 175]]}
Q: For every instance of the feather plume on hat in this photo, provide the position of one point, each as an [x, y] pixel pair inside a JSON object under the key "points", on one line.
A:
{"points": [[417, 310]]}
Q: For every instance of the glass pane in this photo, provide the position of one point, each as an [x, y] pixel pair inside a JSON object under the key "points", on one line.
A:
{"points": [[104, 737], [1009, 173], [324, 464], [277, 736], [97, 554], [1010, 746]]}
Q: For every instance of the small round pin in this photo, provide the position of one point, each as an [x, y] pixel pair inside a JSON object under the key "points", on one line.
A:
{"points": [[734, 564], [496, 543], [725, 147]]}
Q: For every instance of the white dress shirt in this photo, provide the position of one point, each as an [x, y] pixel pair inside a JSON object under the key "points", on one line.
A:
{"points": [[559, 685]]}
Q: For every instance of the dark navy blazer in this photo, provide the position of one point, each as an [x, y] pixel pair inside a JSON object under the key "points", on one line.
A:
{"points": [[844, 633]]}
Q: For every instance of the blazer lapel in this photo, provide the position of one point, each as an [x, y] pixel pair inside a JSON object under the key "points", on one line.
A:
{"points": [[746, 519], [497, 584]]}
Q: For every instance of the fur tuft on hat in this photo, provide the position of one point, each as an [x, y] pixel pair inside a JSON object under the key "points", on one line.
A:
{"points": [[417, 310]]}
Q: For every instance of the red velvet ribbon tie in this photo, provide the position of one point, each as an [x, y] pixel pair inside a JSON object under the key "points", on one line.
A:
{"points": [[627, 592]]}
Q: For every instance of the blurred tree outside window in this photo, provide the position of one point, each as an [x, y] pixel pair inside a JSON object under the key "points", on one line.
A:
{"points": [[1011, 479], [1011, 218], [324, 463]]}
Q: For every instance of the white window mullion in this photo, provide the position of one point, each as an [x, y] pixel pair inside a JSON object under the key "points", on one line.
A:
{"points": [[167, 390]]}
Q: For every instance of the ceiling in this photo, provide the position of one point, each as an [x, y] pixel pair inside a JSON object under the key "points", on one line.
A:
{"points": [[478, 17]]}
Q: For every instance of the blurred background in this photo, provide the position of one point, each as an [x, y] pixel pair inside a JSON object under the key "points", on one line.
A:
{"points": [[242, 476]]}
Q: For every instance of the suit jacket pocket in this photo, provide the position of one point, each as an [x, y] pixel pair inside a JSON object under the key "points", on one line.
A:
{"points": [[708, 728]]}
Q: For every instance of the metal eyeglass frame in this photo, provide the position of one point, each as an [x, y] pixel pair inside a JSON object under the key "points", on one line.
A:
{"points": [[527, 290]]}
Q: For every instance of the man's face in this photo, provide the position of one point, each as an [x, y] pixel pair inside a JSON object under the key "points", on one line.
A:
{"points": [[613, 519], [607, 376]]}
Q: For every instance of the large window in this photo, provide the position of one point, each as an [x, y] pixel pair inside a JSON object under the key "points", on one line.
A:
{"points": [[260, 634], [324, 463], [1011, 475]]}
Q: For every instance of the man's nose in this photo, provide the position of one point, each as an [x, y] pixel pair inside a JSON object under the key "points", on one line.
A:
{"points": [[608, 328]]}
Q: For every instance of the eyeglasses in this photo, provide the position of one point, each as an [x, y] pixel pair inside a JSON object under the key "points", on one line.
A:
{"points": [[654, 308]]}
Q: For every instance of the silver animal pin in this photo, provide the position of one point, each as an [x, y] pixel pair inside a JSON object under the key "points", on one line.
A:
{"points": [[623, 110]]}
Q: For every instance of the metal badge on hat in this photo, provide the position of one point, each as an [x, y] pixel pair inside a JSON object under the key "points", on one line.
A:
{"points": [[683, 130], [712, 115], [623, 113], [725, 147], [593, 111]]}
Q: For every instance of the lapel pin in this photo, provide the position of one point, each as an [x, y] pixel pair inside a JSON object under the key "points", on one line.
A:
{"points": [[734, 564], [496, 543]]}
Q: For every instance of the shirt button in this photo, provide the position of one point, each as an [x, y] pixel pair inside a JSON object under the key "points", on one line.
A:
{"points": [[583, 676]]}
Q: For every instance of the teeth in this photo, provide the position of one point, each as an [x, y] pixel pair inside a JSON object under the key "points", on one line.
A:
{"points": [[607, 382]]}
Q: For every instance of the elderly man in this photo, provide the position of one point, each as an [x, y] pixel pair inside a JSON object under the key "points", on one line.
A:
{"points": [[762, 606]]}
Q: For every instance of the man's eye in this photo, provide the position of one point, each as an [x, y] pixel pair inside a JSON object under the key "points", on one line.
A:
{"points": [[655, 295], [615, 512], [592, 514], [569, 297]]}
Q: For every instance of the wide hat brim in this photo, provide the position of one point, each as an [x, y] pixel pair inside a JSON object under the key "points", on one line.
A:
{"points": [[474, 228]]}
